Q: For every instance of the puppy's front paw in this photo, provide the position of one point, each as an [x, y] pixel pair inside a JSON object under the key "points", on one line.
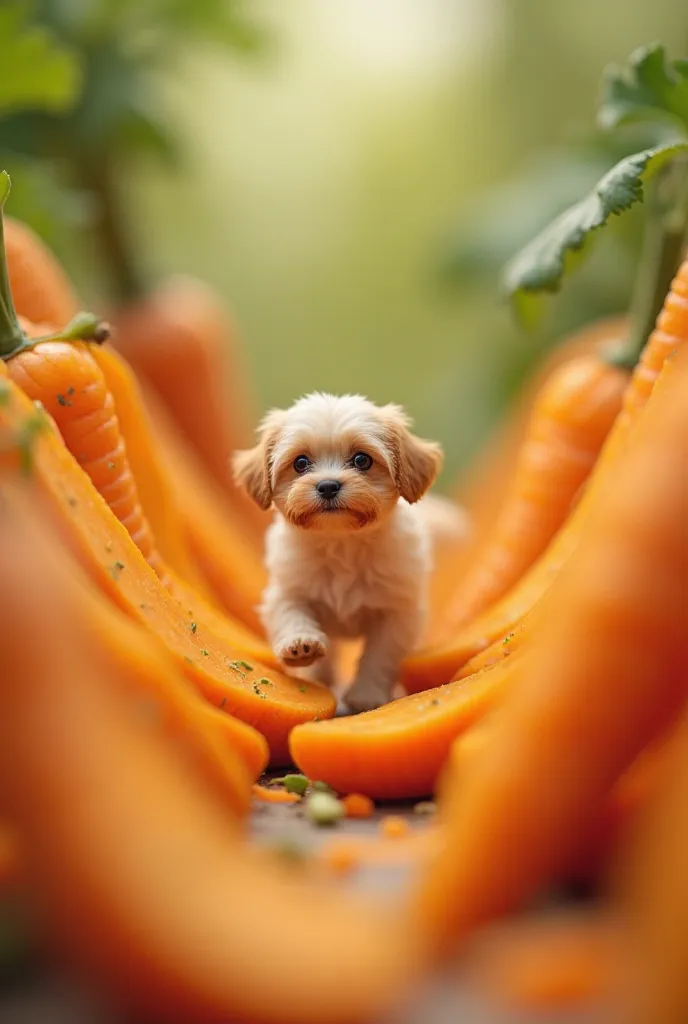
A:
{"points": [[301, 650], [366, 696]]}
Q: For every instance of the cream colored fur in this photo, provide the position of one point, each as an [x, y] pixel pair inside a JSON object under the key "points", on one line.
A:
{"points": [[357, 564]]}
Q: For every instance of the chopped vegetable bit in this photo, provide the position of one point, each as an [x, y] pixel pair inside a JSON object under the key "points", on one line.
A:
{"points": [[111, 465], [70, 390], [508, 638], [425, 807], [193, 627], [303, 689], [235, 667], [61, 400], [205, 653], [265, 682], [289, 851], [274, 796], [324, 809], [245, 664], [116, 569], [394, 827], [321, 787], [295, 783], [357, 805]]}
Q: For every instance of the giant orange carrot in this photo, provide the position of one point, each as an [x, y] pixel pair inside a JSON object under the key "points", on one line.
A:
{"points": [[41, 290], [607, 676], [138, 873], [270, 701], [654, 900], [569, 423], [180, 341], [439, 663], [482, 487], [61, 374]]}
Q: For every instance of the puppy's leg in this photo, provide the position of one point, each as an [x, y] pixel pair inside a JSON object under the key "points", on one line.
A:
{"points": [[324, 670], [294, 634], [388, 639]]}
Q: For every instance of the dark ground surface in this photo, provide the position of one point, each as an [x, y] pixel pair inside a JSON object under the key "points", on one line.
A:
{"points": [[34, 996]]}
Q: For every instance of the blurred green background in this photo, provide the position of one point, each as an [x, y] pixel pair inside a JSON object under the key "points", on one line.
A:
{"points": [[350, 176]]}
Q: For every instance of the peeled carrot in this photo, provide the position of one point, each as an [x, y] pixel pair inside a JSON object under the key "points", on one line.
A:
{"points": [[181, 342], [41, 290], [138, 875], [270, 701], [398, 750], [606, 678], [436, 664], [569, 423]]}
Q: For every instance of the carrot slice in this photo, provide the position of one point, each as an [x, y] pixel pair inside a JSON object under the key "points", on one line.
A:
{"points": [[398, 750], [275, 796]]}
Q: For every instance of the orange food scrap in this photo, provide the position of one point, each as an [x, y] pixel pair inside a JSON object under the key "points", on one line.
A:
{"points": [[357, 805], [274, 796]]}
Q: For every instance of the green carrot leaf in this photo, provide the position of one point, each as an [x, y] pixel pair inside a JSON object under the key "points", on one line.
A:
{"points": [[544, 263], [649, 88], [38, 72]]}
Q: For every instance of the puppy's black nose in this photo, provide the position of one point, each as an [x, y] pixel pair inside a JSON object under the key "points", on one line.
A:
{"points": [[328, 489]]}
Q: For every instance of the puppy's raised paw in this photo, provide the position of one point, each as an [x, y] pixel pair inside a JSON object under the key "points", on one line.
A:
{"points": [[302, 650]]}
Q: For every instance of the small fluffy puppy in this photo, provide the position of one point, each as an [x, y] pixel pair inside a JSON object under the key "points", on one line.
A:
{"points": [[347, 555]]}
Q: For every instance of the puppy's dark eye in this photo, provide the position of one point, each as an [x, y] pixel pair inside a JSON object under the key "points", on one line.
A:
{"points": [[301, 463], [361, 461]]}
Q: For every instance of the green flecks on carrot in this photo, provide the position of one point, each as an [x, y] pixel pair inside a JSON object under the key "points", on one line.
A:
{"points": [[193, 627], [205, 653], [302, 689], [116, 570], [63, 401], [508, 638]]}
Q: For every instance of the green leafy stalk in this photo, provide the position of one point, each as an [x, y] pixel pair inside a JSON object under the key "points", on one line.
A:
{"points": [[650, 88], [544, 263]]}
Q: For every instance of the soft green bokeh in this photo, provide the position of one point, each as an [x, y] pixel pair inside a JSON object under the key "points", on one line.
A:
{"points": [[323, 179]]}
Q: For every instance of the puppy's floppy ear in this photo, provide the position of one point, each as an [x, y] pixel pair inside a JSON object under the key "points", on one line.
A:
{"points": [[252, 466], [416, 462]]}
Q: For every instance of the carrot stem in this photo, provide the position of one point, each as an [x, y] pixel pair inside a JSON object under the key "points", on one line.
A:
{"points": [[663, 248], [12, 337]]}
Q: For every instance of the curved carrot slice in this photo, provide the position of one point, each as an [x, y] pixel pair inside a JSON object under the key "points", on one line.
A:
{"points": [[270, 701], [228, 560], [399, 749], [439, 663], [606, 678], [210, 741], [175, 911]]}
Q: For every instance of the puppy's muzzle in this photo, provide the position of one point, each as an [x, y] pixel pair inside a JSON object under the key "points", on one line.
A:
{"points": [[328, 489]]}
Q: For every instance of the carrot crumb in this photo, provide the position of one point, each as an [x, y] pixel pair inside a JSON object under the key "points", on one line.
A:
{"points": [[394, 827], [274, 796], [357, 805], [339, 859]]}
